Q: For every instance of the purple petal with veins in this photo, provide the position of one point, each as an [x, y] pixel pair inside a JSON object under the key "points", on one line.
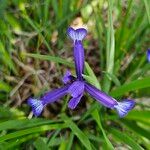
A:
{"points": [[124, 107], [67, 77], [79, 59], [49, 97], [55, 95], [100, 96], [78, 34], [37, 106], [74, 102], [76, 89]]}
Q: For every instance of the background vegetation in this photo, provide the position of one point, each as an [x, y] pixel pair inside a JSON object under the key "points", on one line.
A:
{"points": [[34, 54]]}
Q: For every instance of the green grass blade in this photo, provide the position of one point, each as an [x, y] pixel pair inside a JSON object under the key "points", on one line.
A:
{"points": [[125, 138], [96, 117], [24, 132], [6, 58], [139, 115], [120, 39], [88, 112], [50, 58], [70, 142], [40, 144], [110, 52], [5, 87], [30, 21], [147, 5], [81, 136], [21, 140], [91, 76], [56, 142], [113, 78], [53, 137], [46, 9], [137, 129], [63, 145], [132, 86], [23, 123]]}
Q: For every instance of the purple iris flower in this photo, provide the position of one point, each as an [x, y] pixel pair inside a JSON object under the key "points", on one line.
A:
{"points": [[76, 86], [148, 55]]}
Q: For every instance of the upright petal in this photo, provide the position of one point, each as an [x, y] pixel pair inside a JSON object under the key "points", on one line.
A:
{"points": [[66, 78], [148, 55], [100, 96], [79, 58], [55, 95], [78, 34], [76, 89], [124, 107], [74, 102]]}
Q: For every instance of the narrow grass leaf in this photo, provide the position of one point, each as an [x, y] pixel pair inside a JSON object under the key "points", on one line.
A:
{"points": [[91, 76], [88, 112], [23, 123], [96, 117], [40, 144], [5, 87], [33, 25], [50, 58], [53, 137], [137, 129], [21, 140], [56, 142], [6, 58], [7, 113], [139, 115], [81, 136], [63, 145], [113, 78], [132, 86], [125, 138], [110, 50], [147, 5], [70, 142], [24, 132]]}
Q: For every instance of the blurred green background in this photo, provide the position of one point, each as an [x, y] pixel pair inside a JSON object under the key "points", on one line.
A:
{"points": [[34, 54]]}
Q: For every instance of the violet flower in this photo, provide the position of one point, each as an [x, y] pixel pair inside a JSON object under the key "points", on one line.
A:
{"points": [[77, 86], [148, 55]]}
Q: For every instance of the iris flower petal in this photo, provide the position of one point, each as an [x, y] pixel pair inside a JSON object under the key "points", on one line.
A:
{"points": [[78, 34], [74, 102], [37, 106], [76, 89], [79, 59], [66, 78], [49, 97], [100, 96], [148, 55], [55, 95], [124, 107]]}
